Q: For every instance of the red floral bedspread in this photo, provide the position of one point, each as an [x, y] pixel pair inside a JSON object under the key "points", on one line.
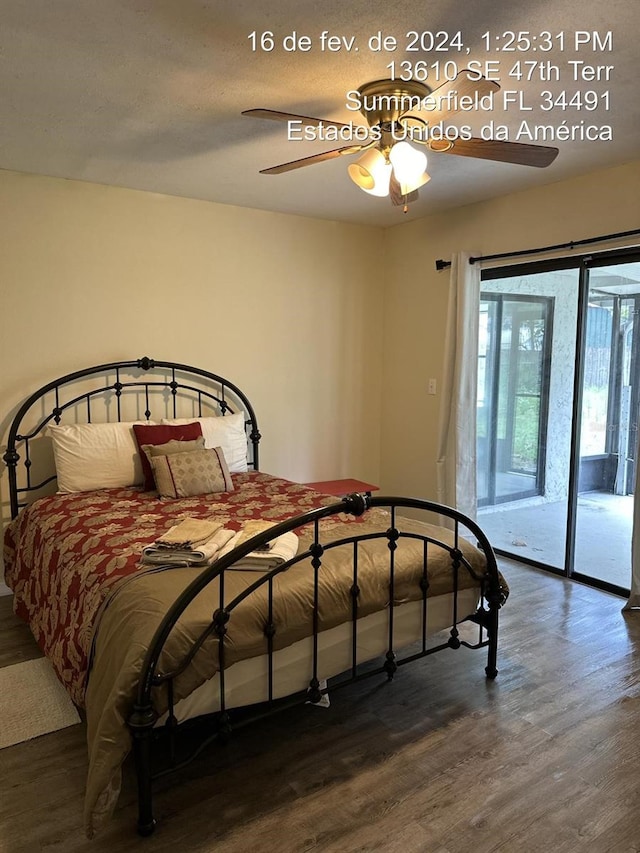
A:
{"points": [[64, 553]]}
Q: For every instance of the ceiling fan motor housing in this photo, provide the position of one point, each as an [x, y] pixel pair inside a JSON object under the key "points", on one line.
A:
{"points": [[384, 102]]}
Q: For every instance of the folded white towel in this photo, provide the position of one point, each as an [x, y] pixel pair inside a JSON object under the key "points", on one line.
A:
{"points": [[188, 533], [252, 528], [206, 553], [281, 549]]}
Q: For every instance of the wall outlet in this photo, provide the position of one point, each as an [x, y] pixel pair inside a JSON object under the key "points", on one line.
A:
{"points": [[431, 386]]}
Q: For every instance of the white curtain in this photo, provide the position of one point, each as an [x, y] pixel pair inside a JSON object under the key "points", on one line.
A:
{"points": [[456, 463]]}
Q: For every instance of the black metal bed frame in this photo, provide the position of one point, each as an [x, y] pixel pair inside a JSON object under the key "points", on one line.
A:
{"points": [[153, 744], [149, 383]]}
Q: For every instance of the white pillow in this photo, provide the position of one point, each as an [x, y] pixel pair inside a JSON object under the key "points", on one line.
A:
{"points": [[95, 456], [227, 432]]}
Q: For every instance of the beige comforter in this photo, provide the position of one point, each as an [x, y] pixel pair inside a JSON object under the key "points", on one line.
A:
{"points": [[135, 607]]}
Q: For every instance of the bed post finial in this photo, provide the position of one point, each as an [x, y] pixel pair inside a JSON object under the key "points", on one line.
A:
{"points": [[146, 363], [356, 503]]}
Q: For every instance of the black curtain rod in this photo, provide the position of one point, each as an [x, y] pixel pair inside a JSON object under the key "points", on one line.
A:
{"points": [[440, 264]]}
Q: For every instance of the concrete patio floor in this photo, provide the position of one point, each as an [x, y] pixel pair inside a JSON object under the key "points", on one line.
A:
{"points": [[536, 531]]}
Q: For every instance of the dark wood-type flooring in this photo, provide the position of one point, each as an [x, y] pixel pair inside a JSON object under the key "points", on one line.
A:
{"points": [[546, 758]]}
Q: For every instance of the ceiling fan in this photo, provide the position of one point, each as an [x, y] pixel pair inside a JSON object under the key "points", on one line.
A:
{"points": [[399, 113]]}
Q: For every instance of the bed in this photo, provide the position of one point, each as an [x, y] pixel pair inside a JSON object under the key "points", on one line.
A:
{"points": [[104, 463]]}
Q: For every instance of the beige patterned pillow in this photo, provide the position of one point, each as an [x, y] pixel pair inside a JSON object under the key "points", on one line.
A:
{"points": [[200, 472], [172, 446]]}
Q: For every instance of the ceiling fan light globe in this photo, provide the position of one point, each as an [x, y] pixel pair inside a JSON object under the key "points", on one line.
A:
{"points": [[368, 172], [381, 185], [360, 176], [409, 166], [415, 184]]}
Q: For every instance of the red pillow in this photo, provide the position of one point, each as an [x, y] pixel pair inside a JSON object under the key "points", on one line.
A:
{"points": [[161, 434]]}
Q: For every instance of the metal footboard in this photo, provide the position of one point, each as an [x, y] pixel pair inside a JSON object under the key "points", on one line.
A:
{"points": [[143, 718]]}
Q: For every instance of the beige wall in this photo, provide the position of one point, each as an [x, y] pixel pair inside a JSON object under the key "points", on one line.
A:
{"points": [[332, 330], [416, 296], [288, 308]]}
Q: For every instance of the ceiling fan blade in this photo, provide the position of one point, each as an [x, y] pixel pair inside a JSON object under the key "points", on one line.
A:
{"points": [[465, 84], [520, 153], [309, 161], [275, 115]]}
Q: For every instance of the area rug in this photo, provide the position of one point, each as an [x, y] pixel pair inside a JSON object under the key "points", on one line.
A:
{"points": [[32, 702]]}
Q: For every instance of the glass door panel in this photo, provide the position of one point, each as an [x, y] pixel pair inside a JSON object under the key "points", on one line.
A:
{"points": [[608, 425], [525, 391], [521, 430], [486, 357]]}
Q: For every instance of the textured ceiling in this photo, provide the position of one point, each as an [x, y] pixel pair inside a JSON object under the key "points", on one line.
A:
{"points": [[148, 95]]}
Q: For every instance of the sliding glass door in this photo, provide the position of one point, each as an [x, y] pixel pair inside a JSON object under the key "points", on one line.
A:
{"points": [[524, 410], [557, 413], [608, 424]]}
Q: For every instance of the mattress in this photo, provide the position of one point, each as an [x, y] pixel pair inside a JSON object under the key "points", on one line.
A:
{"points": [[247, 682]]}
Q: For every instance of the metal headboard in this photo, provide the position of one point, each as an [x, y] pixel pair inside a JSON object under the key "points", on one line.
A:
{"points": [[145, 388]]}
